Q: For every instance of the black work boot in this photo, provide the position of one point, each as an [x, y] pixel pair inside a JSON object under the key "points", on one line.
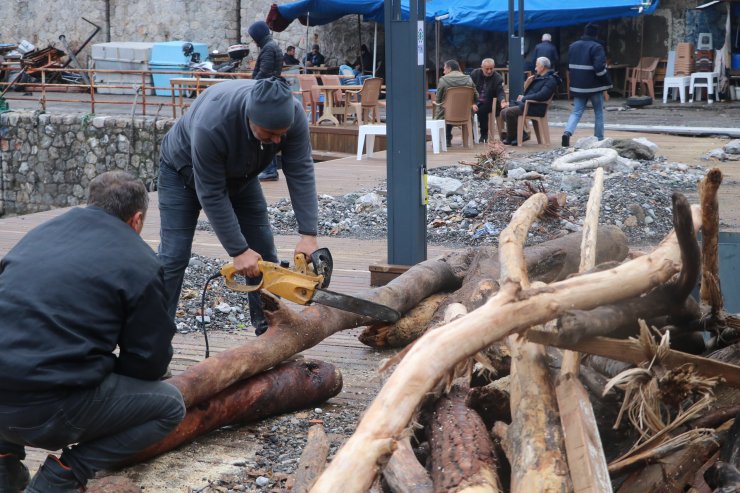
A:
{"points": [[54, 477], [565, 140], [13, 474]]}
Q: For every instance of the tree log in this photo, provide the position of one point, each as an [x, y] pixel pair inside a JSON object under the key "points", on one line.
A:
{"points": [[631, 351], [288, 387], [549, 261], [511, 310], [404, 473], [291, 332], [313, 459], [463, 459], [588, 470], [674, 472], [666, 299], [538, 461], [492, 401], [409, 328], [710, 291]]}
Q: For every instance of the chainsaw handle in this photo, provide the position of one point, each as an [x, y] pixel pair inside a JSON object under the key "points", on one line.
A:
{"points": [[229, 272]]}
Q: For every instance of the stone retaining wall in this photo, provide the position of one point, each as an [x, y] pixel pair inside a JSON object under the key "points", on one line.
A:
{"points": [[48, 160]]}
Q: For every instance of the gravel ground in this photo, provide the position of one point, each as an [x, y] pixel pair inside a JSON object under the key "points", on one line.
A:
{"points": [[469, 205]]}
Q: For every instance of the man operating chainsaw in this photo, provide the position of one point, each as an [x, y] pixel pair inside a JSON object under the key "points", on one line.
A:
{"points": [[211, 158], [72, 291]]}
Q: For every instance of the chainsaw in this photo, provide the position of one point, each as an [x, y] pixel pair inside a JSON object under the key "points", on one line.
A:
{"points": [[304, 285]]}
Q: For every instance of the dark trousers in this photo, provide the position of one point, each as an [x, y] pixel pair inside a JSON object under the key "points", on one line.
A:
{"points": [[108, 424], [511, 117], [483, 114], [179, 209]]}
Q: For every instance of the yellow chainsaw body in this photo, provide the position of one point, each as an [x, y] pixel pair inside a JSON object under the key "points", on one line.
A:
{"points": [[296, 284]]}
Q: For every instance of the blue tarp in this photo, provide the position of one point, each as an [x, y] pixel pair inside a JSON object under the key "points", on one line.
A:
{"points": [[493, 15], [322, 12], [488, 15]]}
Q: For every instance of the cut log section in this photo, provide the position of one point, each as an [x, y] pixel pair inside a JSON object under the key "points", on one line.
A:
{"points": [[404, 473], [462, 453], [313, 459], [288, 387]]}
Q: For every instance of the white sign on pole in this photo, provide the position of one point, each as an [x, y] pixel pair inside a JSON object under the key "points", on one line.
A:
{"points": [[420, 43]]}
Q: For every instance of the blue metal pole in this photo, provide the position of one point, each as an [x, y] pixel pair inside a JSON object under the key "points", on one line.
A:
{"points": [[406, 132]]}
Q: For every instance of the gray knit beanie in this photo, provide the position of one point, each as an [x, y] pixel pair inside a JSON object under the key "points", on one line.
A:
{"points": [[271, 104]]}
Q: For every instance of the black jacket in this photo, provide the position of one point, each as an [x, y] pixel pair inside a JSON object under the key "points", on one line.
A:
{"points": [[269, 61], [290, 60], [548, 50], [494, 88], [541, 88], [72, 290], [214, 144], [587, 67]]}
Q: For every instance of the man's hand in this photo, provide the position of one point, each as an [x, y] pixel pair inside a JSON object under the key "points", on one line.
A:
{"points": [[246, 263], [519, 98], [475, 108], [306, 245], [504, 104]]}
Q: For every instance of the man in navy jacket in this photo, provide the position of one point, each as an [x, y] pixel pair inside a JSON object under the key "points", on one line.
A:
{"points": [[72, 291], [541, 88], [588, 81]]}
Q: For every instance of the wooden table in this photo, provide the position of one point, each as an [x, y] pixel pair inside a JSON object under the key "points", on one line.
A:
{"points": [[180, 84], [329, 109]]}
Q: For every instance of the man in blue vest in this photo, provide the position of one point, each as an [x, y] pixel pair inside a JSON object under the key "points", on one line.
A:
{"points": [[588, 81]]}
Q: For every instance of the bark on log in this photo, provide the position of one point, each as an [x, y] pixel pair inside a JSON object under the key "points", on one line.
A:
{"points": [[313, 459], [288, 387], [538, 461], [510, 310], [673, 473], [291, 332], [463, 459], [409, 328], [710, 291], [404, 473]]}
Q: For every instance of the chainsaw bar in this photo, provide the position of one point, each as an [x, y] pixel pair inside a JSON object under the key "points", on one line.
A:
{"points": [[355, 305]]}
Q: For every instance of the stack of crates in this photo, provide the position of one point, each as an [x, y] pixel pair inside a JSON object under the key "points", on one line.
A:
{"points": [[122, 56], [168, 56], [684, 59]]}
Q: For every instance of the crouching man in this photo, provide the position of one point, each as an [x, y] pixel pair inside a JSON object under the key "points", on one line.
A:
{"points": [[72, 291]]}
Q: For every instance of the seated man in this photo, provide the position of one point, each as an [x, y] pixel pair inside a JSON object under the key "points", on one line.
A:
{"points": [[452, 77], [539, 87], [289, 58], [72, 291], [489, 85], [315, 58]]}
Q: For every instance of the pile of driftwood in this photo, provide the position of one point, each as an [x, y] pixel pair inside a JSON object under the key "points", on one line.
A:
{"points": [[523, 377]]}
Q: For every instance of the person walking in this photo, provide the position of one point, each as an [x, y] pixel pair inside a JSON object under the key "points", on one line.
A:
{"points": [[452, 77], [588, 81], [85, 337], [489, 85], [210, 159], [548, 50], [269, 64], [539, 87]]}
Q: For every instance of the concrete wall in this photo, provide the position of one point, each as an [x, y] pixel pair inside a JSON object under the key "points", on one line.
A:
{"points": [[48, 160]]}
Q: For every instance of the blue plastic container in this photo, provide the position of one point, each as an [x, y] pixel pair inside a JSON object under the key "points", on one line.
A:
{"points": [[168, 56], [729, 270], [736, 61]]}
